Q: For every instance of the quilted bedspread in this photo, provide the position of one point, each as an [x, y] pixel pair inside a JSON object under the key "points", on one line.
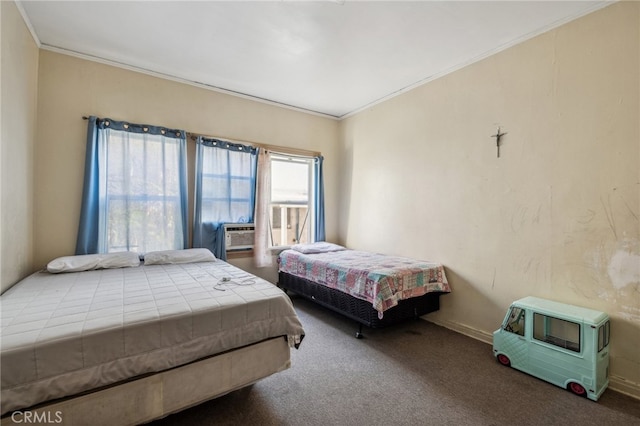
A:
{"points": [[380, 279], [67, 333]]}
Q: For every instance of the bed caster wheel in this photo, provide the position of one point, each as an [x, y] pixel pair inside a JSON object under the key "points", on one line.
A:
{"points": [[359, 332]]}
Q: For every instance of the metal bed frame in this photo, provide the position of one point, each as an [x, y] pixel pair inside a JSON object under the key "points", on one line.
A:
{"points": [[359, 310]]}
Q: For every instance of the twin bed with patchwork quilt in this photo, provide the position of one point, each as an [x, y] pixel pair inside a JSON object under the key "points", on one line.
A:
{"points": [[128, 344], [374, 289]]}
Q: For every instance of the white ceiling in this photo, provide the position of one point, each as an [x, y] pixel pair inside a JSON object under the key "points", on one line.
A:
{"points": [[329, 57]]}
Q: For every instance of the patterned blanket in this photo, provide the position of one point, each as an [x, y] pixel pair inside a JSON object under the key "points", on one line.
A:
{"points": [[380, 279]]}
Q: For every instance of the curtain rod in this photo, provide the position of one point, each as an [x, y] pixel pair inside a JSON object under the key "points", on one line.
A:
{"points": [[276, 149], [273, 148]]}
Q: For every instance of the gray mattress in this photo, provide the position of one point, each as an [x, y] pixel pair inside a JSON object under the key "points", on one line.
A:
{"points": [[62, 334]]}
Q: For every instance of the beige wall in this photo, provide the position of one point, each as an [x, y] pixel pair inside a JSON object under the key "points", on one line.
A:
{"points": [[555, 216], [19, 84], [71, 87]]}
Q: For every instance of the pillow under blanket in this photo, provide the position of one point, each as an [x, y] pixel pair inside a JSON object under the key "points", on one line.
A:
{"points": [[87, 262]]}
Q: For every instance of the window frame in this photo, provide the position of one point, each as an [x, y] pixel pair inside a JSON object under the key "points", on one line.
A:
{"points": [[545, 335], [309, 223], [604, 335], [516, 321]]}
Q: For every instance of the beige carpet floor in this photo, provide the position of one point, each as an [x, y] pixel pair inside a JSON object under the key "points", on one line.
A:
{"points": [[416, 373]]}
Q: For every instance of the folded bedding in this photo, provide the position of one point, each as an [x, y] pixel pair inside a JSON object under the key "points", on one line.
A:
{"points": [[66, 333], [380, 279]]}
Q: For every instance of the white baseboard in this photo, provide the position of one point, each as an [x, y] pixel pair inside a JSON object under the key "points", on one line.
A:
{"points": [[483, 336], [624, 386], [616, 383]]}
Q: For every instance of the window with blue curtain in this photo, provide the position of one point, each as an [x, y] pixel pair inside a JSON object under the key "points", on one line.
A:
{"points": [[225, 185], [135, 189]]}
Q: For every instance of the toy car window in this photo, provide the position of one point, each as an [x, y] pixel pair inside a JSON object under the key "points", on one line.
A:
{"points": [[603, 336], [558, 332], [515, 322]]}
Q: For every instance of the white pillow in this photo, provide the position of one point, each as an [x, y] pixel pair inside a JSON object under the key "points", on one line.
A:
{"points": [[178, 256], [319, 247], [87, 262]]}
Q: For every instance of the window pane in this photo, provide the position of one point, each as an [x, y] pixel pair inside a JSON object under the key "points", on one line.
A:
{"points": [[562, 333], [600, 338], [275, 217], [214, 186], [228, 180], [240, 188], [515, 322], [289, 182], [143, 209], [290, 201], [603, 336]]}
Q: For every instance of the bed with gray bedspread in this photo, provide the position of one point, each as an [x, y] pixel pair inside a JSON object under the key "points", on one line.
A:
{"points": [[63, 334]]}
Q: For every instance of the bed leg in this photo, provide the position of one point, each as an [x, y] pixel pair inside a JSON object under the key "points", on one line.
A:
{"points": [[359, 332]]}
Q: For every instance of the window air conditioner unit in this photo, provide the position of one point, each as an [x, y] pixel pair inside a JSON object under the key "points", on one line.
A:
{"points": [[239, 236]]}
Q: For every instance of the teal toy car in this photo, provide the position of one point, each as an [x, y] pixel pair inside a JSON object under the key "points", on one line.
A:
{"points": [[563, 344]]}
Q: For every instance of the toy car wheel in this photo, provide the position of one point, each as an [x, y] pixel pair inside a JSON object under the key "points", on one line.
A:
{"points": [[504, 360], [577, 389]]}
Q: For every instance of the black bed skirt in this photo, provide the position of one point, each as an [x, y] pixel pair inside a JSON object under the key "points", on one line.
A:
{"points": [[359, 310]]}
